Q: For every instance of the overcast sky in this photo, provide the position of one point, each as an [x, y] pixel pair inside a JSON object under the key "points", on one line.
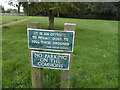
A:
{"points": [[4, 3]]}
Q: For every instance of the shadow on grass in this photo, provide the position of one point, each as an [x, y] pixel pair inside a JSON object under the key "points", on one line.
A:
{"points": [[6, 27], [15, 19]]}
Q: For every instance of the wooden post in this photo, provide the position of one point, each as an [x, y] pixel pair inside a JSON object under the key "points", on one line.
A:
{"points": [[65, 74], [36, 73]]}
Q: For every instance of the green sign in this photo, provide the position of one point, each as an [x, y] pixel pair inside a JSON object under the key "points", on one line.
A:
{"points": [[50, 60], [51, 40]]}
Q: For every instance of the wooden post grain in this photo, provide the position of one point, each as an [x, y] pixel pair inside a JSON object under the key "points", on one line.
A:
{"points": [[65, 74], [36, 73]]}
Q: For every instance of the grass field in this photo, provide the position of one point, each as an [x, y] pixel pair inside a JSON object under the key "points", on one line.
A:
{"points": [[94, 58], [7, 19]]}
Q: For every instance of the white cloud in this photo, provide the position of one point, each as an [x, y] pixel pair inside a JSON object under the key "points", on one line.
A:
{"points": [[4, 3]]}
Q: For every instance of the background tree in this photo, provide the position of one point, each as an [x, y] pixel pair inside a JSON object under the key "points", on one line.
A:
{"points": [[11, 11], [15, 3], [77, 10], [104, 10], [2, 10], [50, 8]]}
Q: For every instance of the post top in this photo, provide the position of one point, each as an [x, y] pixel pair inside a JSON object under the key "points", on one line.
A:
{"points": [[69, 24]]}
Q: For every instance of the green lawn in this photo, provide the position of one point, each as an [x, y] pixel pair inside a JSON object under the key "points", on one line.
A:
{"points": [[7, 19], [94, 62]]}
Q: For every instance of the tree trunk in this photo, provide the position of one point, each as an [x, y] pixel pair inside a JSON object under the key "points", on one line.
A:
{"points": [[18, 9], [19, 4], [51, 20]]}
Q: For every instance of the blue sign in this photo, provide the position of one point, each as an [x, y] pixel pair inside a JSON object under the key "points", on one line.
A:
{"points": [[51, 40], [50, 60]]}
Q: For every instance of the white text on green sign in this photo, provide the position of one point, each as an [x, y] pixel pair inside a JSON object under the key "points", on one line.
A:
{"points": [[50, 60], [51, 40]]}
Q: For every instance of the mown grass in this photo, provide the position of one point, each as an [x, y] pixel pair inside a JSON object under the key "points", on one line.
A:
{"points": [[94, 63], [8, 19]]}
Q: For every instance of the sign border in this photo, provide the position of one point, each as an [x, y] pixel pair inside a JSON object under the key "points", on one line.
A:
{"points": [[28, 29], [51, 53]]}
